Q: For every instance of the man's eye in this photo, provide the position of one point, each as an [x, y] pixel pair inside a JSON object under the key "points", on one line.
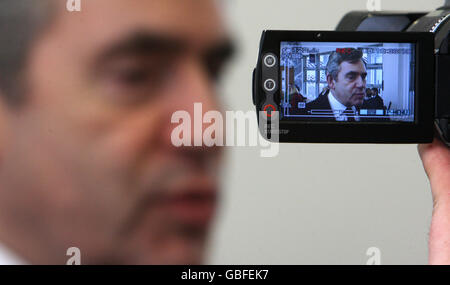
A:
{"points": [[214, 69], [133, 76], [215, 62], [136, 84], [142, 77]]}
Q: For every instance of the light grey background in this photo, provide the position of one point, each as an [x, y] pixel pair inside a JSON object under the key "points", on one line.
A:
{"points": [[315, 204]]}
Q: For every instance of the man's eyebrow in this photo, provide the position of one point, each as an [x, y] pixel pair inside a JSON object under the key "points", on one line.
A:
{"points": [[225, 49], [355, 73], [142, 43]]}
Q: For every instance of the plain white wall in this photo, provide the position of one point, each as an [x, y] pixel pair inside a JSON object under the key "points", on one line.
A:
{"points": [[315, 204]]}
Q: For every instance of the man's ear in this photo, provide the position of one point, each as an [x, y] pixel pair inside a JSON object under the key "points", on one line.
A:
{"points": [[331, 82]]}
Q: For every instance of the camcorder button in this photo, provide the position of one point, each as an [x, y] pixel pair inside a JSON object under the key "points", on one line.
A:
{"points": [[270, 85], [269, 108], [270, 60]]}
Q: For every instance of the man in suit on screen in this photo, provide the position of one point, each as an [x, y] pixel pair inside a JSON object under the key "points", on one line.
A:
{"points": [[346, 77]]}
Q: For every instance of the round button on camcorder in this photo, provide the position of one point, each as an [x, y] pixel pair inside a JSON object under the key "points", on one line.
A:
{"points": [[269, 109], [270, 60], [270, 85]]}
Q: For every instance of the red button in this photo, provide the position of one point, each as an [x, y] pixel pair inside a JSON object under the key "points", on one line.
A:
{"points": [[269, 108]]}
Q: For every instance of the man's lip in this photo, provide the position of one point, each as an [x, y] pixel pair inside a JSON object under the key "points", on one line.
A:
{"points": [[183, 192], [192, 206], [191, 200]]}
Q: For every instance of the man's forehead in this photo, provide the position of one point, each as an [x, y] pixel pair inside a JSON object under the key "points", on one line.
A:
{"points": [[357, 66], [358, 63], [195, 22]]}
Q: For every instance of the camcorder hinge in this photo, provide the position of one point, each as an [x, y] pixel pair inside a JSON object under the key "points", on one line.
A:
{"points": [[443, 90]]}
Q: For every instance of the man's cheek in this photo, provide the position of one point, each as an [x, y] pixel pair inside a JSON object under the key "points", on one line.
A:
{"points": [[358, 101]]}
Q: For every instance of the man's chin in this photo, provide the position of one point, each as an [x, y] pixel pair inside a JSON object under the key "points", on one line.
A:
{"points": [[165, 242], [174, 251], [358, 103], [358, 100]]}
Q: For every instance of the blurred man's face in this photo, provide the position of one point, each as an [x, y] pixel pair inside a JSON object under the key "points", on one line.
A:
{"points": [[350, 86], [87, 160]]}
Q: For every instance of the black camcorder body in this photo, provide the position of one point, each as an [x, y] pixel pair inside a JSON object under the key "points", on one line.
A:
{"points": [[380, 78]]}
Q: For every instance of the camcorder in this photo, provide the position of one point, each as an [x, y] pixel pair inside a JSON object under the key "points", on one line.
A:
{"points": [[381, 77]]}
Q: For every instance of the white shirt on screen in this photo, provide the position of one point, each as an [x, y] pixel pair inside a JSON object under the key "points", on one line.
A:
{"points": [[338, 109]]}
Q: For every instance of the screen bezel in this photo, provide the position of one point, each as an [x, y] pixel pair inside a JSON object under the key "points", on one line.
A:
{"points": [[421, 130]]}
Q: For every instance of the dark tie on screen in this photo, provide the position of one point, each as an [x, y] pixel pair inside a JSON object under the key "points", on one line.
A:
{"points": [[350, 114]]}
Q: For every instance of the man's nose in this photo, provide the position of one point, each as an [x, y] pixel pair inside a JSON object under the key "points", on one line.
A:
{"points": [[198, 88], [360, 82], [195, 95]]}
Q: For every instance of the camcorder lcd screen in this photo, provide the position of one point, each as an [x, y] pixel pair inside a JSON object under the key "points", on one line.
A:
{"points": [[347, 82]]}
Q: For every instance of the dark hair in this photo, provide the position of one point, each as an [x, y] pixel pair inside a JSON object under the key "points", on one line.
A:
{"points": [[20, 23], [336, 58]]}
